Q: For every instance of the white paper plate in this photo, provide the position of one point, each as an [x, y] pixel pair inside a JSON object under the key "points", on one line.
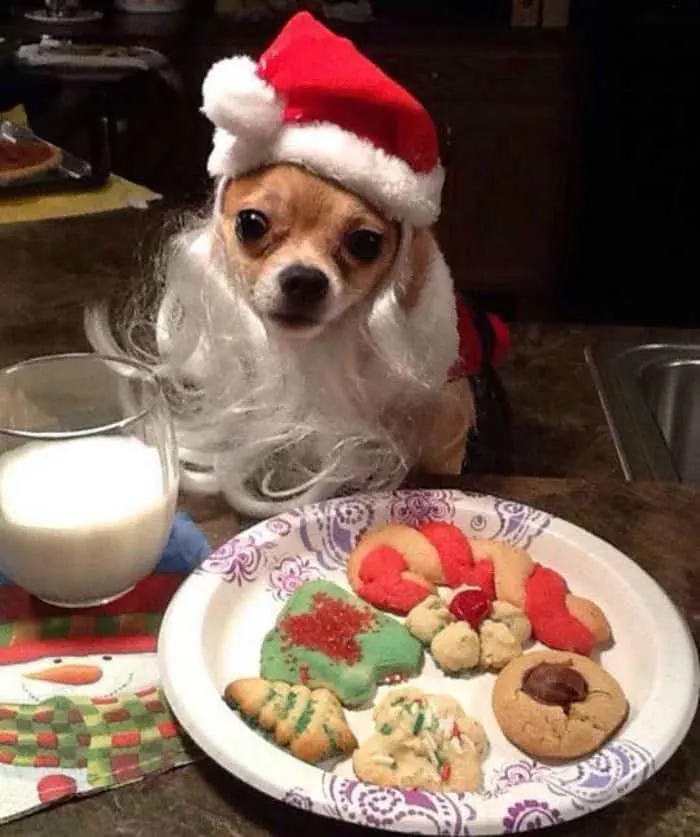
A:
{"points": [[214, 627]]}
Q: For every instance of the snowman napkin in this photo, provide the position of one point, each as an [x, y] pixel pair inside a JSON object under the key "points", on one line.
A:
{"points": [[81, 708]]}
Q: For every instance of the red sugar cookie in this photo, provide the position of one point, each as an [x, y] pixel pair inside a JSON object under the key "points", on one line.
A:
{"points": [[384, 582], [396, 567], [453, 548], [552, 624], [457, 558]]}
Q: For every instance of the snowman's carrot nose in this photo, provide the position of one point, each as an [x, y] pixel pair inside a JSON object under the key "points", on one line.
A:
{"points": [[68, 675]]}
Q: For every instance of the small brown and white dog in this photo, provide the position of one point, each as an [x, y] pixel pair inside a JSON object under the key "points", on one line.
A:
{"points": [[306, 340]]}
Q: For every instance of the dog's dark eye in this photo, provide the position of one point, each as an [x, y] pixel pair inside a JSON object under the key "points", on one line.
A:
{"points": [[364, 245], [251, 225]]}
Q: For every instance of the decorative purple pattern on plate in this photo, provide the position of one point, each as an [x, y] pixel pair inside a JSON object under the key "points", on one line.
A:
{"points": [[414, 507], [524, 795], [616, 769], [240, 560], [281, 525], [330, 530], [298, 799], [327, 532], [519, 524], [379, 807], [478, 524], [529, 815], [511, 775], [288, 573]]}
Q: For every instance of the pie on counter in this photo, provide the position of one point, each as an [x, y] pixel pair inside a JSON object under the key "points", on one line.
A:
{"points": [[22, 158]]}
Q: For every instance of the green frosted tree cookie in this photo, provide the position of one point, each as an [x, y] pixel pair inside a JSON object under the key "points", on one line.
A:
{"points": [[328, 638]]}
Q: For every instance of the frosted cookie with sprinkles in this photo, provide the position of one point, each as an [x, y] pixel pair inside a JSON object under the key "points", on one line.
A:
{"points": [[325, 637], [422, 741]]}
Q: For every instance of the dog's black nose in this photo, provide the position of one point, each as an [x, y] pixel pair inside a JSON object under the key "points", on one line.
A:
{"points": [[302, 285]]}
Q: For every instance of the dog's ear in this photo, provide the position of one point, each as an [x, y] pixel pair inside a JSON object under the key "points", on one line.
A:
{"points": [[419, 258]]}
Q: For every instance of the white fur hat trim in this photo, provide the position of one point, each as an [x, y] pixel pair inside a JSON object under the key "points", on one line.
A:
{"points": [[250, 133]]}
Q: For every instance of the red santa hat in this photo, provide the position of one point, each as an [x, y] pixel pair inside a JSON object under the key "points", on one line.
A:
{"points": [[313, 99]]}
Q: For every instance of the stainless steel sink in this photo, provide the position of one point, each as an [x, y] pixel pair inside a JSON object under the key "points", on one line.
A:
{"points": [[651, 397]]}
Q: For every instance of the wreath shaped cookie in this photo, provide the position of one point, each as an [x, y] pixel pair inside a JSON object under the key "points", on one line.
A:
{"points": [[470, 632], [398, 566]]}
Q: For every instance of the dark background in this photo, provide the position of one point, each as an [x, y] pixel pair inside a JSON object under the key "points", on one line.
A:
{"points": [[637, 253], [595, 127]]}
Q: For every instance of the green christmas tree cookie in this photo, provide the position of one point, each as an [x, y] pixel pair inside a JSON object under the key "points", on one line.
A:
{"points": [[328, 638]]}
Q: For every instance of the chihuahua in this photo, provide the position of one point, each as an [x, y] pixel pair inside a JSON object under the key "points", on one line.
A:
{"points": [[306, 343], [306, 328]]}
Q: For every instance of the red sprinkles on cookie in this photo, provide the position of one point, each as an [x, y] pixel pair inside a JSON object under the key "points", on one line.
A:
{"points": [[332, 628]]}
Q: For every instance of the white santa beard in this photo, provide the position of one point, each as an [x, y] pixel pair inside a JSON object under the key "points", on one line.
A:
{"points": [[122, 674], [275, 423]]}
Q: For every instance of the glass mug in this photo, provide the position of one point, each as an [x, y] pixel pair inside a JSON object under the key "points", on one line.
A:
{"points": [[88, 476]]}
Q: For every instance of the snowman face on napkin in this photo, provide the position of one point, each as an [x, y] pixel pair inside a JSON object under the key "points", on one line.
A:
{"points": [[93, 675]]}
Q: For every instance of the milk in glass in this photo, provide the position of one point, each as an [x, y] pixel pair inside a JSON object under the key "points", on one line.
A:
{"points": [[83, 519]]}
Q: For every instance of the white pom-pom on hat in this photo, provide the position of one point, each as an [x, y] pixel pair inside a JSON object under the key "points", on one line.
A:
{"points": [[233, 156], [237, 100]]}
